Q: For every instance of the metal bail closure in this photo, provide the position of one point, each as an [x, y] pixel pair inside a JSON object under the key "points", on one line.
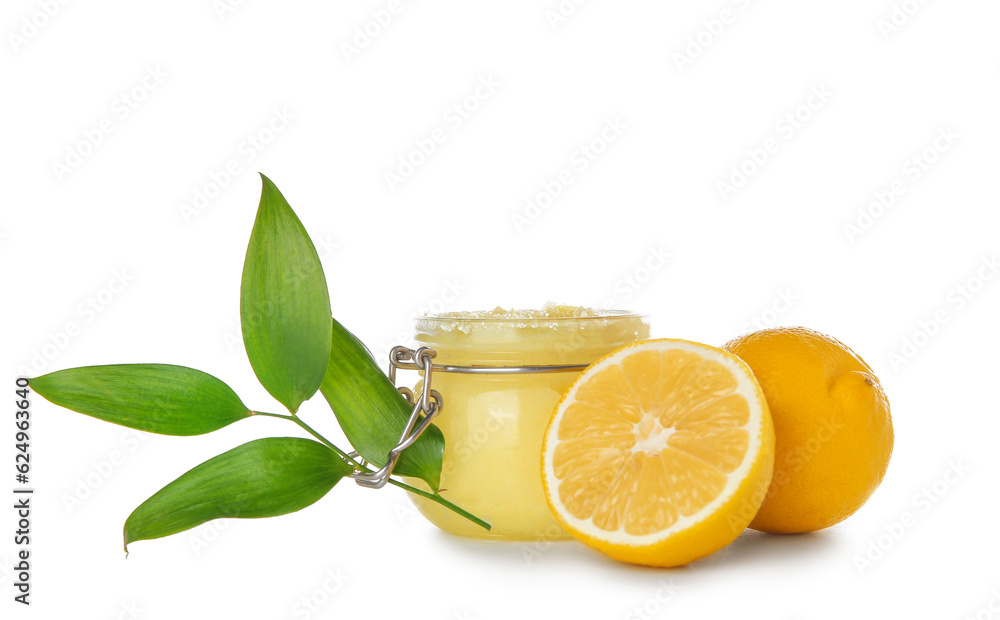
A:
{"points": [[429, 405]]}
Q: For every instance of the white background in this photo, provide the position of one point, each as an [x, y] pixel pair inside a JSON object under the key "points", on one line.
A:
{"points": [[694, 96]]}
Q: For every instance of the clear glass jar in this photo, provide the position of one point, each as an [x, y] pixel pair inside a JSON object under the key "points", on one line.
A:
{"points": [[493, 422]]}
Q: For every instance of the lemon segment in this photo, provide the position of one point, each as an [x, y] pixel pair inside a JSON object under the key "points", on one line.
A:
{"points": [[659, 453]]}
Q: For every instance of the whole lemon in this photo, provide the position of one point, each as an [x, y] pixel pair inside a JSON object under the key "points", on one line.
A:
{"points": [[832, 426]]}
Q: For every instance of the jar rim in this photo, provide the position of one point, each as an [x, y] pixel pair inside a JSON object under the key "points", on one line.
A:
{"points": [[601, 315], [498, 340]]}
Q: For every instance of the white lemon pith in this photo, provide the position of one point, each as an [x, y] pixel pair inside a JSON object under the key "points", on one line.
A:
{"points": [[659, 453]]}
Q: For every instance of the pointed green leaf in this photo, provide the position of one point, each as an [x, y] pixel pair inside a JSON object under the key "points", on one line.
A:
{"points": [[373, 414], [262, 478], [284, 303], [159, 398]]}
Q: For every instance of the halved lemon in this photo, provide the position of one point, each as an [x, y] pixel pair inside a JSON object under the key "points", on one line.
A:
{"points": [[659, 453]]}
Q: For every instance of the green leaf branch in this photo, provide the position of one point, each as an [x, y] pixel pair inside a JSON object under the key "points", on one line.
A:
{"points": [[295, 348], [434, 497]]}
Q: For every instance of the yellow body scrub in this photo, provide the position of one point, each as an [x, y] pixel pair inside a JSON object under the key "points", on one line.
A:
{"points": [[495, 414]]}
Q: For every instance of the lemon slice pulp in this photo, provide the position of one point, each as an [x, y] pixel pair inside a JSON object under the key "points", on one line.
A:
{"points": [[659, 453]]}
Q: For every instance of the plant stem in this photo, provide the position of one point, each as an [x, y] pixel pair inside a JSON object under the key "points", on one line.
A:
{"points": [[312, 432], [434, 497]]}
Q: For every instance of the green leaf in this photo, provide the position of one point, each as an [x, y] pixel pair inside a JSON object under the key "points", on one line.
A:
{"points": [[373, 414], [262, 478], [284, 303], [159, 398]]}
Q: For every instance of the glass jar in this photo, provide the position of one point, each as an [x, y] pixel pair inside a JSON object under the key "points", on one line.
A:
{"points": [[494, 416]]}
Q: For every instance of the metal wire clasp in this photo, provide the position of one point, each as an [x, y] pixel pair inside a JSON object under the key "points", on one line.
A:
{"points": [[428, 406]]}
